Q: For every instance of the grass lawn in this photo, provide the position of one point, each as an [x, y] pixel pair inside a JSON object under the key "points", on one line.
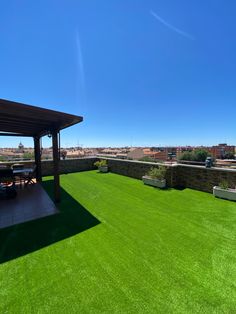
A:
{"points": [[121, 247]]}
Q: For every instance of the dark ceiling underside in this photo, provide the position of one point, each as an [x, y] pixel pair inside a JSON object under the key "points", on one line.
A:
{"points": [[21, 119]]}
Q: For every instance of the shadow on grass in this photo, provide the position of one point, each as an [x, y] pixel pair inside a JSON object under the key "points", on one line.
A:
{"points": [[28, 237]]}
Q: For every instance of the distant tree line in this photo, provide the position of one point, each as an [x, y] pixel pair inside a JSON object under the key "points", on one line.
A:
{"points": [[28, 155], [229, 155], [201, 155], [195, 155]]}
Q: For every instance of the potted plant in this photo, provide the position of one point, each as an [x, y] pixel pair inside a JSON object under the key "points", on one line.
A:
{"points": [[102, 165], [223, 191], [156, 177]]}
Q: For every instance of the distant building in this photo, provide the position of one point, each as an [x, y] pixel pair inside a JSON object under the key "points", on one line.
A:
{"points": [[137, 153], [21, 148], [156, 153], [219, 151]]}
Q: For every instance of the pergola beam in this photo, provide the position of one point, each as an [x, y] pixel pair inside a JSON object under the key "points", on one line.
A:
{"points": [[14, 134]]}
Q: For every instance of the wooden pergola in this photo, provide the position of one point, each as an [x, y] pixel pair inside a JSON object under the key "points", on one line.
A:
{"points": [[17, 119]]}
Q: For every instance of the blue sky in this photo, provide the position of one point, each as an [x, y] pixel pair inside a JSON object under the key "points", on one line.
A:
{"points": [[140, 72]]}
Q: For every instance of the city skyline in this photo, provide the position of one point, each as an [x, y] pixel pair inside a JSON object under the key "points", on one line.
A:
{"points": [[113, 147]]}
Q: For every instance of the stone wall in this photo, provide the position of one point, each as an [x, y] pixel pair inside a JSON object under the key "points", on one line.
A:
{"points": [[66, 166], [189, 176], [195, 177], [69, 165], [137, 169], [203, 179]]}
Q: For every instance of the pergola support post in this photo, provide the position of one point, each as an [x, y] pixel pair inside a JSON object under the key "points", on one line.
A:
{"points": [[37, 157], [56, 159]]}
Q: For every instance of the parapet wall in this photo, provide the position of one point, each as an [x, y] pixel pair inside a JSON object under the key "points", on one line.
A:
{"points": [[195, 177], [68, 165], [203, 179], [137, 169], [189, 176]]}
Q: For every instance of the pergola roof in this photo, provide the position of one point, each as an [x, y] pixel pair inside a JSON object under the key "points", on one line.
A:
{"points": [[20, 119]]}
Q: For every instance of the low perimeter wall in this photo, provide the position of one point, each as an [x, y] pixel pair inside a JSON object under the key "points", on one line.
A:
{"points": [[189, 176], [69, 165], [66, 166], [195, 177], [203, 179], [137, 169]]}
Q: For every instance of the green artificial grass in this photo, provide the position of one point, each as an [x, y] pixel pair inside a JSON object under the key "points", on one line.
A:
{"points": [[118, 246]]}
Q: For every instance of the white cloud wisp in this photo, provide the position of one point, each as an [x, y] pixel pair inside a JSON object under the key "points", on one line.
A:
{"points": [[173, 28]]}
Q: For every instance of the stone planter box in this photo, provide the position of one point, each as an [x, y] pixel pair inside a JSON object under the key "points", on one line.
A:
{"points": [[228, 194], [154, 182], [103, 169]]}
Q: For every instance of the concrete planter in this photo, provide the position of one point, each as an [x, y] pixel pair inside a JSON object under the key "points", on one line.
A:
{"points": [[154, 182], [228, 194], [103, 169]]}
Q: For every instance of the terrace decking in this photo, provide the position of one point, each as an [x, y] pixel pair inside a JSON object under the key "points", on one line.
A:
{"points": [[31, 203]]}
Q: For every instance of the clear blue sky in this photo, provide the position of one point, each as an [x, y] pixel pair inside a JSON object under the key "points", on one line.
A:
{"points": [[140, 72]]}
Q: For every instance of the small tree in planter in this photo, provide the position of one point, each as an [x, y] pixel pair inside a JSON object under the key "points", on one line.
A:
{"points": [[223, 191], [156, 177], [102, 165]]}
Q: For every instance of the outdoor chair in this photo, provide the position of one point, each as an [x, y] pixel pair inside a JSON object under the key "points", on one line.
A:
{"points": [[18, 177], [7, 184], [6, 179], [17, 166], [28, 177]]}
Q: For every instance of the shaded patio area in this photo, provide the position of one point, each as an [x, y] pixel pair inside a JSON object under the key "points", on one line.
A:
{"points": [[31, 203], [72, 218]]}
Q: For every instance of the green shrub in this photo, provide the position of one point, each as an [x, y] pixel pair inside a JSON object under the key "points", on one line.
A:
{"points": [[100, 163], [3, 158], [157, 173], [196, 155], [28, 155], [186, 156], [229, 155], [200, 155], [224, 185]]}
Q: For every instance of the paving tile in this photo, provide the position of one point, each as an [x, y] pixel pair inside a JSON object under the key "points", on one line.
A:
{"points": [[31, 203]]}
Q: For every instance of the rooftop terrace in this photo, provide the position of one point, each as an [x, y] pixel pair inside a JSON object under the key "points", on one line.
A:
{"points": [[118, 246]]}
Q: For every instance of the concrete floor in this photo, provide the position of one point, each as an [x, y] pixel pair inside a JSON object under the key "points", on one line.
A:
{"points": [[31, 203]]}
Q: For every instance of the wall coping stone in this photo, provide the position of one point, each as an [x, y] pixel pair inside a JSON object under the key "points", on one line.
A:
{"points": [[135, 161], [202, 167], [131, 161], [171, 165]]}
